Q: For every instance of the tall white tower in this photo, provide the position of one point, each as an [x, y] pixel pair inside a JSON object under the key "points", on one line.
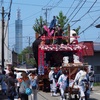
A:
{"points": [[18, 34]]}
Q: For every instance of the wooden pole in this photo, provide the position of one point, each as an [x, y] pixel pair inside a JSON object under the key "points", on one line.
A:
{"points": [[68, 33]]}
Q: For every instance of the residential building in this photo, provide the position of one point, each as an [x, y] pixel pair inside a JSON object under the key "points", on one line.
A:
{"points": [[92, 57], [7, 52]]}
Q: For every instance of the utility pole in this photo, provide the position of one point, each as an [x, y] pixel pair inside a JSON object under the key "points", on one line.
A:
{"points": [[46, 13], [68, 33], [2, 39], [29, 47], [29, 41]]}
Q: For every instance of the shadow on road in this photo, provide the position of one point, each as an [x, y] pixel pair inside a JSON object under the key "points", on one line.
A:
{"points": [[93, 99]]}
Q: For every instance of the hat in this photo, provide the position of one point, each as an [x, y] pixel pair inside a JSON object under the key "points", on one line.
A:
{"points": [[52, 68], [60, 66]]}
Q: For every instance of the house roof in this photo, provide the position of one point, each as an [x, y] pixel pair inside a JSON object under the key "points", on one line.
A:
{"points": [[89, 50]]}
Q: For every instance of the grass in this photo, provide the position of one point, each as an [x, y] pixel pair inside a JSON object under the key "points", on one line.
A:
{"points": [[97, 84]]}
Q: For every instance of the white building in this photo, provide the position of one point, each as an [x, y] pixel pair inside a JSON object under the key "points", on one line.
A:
{"points": [[7, 52]]}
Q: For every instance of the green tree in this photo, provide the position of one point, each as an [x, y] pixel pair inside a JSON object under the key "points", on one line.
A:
{"points": [[26, 56], [63, 22], [38, 26]]}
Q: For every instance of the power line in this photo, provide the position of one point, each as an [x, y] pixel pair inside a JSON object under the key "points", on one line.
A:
{"points": [[75, 8], [46, 13], [97, 38], [70, 7], [28, 17], [42, 5], [86, 12], [8, 19], [89, 25], [56, 5], [91, 17], [94, 11], [47, 3], [78, 11]]}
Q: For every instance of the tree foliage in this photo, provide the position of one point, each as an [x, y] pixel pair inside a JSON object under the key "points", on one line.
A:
{"points": [[62, 20], [38, 26], [26, 56]]}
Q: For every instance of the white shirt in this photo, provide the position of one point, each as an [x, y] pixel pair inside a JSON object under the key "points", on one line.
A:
{"points": [[80, 76], [62, 81], [51, 75], [18, 76]]}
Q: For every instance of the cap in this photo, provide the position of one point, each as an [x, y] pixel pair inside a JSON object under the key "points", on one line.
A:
{"points": [[52, 68], [60, 66]]}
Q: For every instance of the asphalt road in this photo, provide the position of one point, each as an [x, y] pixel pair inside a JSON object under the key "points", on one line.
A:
{"points": [[95, 95]]}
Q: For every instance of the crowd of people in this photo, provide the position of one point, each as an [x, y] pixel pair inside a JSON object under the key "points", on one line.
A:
{"points": [[14, 83], [20, 85], [59, 80]]}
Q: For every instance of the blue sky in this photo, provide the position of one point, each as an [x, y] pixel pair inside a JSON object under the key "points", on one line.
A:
{"points": [[32, 9]]}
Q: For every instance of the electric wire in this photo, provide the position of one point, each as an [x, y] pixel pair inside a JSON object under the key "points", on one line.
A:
{"points": [[7, 24], [78, 10], [89, 25], [97, 37], [28, 18], [56, 5], [94, 11], [70, 7], [8, 19], [41, 5], [90, 17], [75, 9], [47, 4], [85, 13]]}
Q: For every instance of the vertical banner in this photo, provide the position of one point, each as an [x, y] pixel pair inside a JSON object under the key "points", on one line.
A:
{"points": [[40, 61]]}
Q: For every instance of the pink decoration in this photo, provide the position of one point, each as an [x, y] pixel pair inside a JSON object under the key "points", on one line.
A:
{"points": [[48, 30]]}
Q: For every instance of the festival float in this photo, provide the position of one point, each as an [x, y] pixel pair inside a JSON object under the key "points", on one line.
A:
{"points": [[48, 53]]}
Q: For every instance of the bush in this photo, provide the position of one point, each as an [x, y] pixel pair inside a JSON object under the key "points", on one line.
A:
{"points": [[97, 84]]}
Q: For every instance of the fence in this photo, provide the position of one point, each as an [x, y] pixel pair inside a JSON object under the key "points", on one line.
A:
{"points": [[97, 77]]}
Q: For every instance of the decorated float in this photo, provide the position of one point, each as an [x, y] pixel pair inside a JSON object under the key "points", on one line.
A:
{"points": [[55, 51]]}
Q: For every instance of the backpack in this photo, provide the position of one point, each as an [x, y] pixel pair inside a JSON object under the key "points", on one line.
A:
{"points": [[34, 84]]}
